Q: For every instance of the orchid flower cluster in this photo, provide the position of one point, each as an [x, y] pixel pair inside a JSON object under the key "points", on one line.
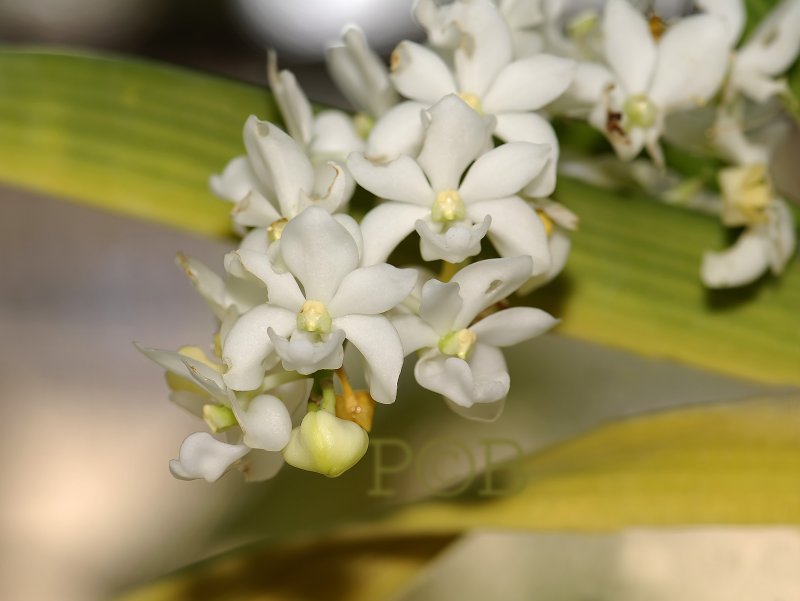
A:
{"points": [[454, 141]]}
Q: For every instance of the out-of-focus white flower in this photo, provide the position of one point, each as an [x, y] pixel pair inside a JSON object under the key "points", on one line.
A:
{"points": [[256, 428], [463, 360], [360, 74], [484, 75], [523, 18], [451, 213], [766, 54], [325, 444], [767, 243], [651, 78], [305, 328]]}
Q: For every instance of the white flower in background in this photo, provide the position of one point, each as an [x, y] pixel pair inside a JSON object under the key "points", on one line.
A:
{"points": [[325, 138], [651, 78], [766, 54], [360, 74], [452, 213], [305, 328], [484, 75], [523, 18], [255, 428], [294, 182], [462, 359], [768, 241]]}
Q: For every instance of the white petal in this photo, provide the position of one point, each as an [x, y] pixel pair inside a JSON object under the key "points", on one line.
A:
{"points": [[454, 137], [292, 101], [441, 303], [515, 230], [259, 465], [235, 181], [484, 46], [400, 179], [730, 12], [207, 283], [486, 282], [414, 333], [530, 127], [455, 244], [360, 73], [305, 354], [282, 288], [247, 345], [379, 344], [692, 60], [253, 210], [755, 85], [512, 326], [289, 169], [588, 84], [332, 189], [503, 171], [481, 380], [491, 383], [334, 136], [203, 456], [774, 45], [372, 290], [783, 236], [182, 365], [319, 252], [629, 46], [265, 423], [529, 84], [419, 74], [385, 226], [743, 263], [560, 245], [398, 131]]}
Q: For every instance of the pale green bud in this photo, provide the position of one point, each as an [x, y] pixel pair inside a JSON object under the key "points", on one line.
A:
{"points": [[325, 444]]}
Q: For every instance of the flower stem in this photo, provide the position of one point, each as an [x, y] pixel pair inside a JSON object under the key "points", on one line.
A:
{"points": [[448, 270]]}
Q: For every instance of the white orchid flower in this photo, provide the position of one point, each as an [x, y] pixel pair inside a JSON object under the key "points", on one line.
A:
{"points": [[360, 74], [256, 429], [766, 54], [452, 213], [463, 360], [306, 327], [484, 75], [652, 78], [325, 138], [768, 241]]}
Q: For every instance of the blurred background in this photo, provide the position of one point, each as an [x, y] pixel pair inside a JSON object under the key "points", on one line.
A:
{"points": [[87, 505]]}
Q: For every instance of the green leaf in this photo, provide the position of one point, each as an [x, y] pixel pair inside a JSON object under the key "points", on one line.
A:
{"points": [[733, 463], [121, 134], [142, 139]]}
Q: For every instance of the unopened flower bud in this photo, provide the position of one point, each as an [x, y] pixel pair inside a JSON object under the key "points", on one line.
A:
{"points": [[325, 444]]}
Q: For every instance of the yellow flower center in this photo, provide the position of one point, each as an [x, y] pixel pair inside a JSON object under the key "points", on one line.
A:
{"points": [[746, 193], [640, 111], [314, 317], [458, 344], [472, 100], [448, 207], [275, 230]]}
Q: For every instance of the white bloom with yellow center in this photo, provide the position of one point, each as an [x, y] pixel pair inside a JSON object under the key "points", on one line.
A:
{"points": [[305, 327], [483, 74], [462, 359], [650, 78], [255, 429], [451, 213]]}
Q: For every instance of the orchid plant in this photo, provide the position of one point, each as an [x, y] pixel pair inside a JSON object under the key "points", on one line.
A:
{"points": [[453, 138]]}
